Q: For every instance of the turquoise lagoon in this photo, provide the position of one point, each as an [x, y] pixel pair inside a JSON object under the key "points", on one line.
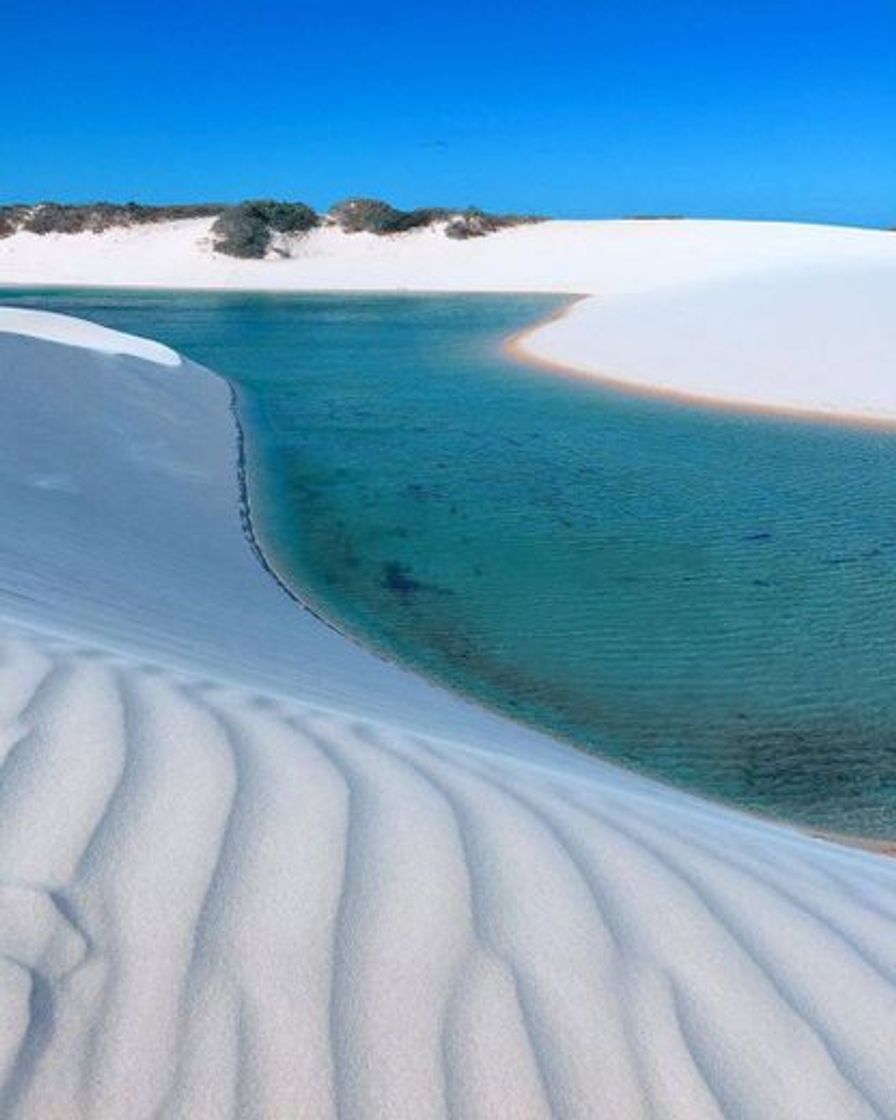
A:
{"points": [[706, 597]]}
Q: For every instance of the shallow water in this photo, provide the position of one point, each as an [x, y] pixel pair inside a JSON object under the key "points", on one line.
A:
{"points": [[705, 596]]}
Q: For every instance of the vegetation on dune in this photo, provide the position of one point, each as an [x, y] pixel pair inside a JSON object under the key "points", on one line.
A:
{"points": [[94, 217], [363, 215], [473, 222], [240, 232], [248, 229], [11, 218], [372, 215]]}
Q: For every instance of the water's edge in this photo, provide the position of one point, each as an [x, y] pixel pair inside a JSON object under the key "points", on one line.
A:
{"points": [[294, 593], [630, 577]]}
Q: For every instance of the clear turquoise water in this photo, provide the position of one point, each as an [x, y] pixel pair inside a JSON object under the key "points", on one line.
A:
{"points": [[706, 597]]}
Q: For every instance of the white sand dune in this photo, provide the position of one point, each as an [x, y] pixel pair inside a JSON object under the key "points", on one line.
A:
{"points": [[819, 339], [75, 332], [766, 314], [246, 869]]}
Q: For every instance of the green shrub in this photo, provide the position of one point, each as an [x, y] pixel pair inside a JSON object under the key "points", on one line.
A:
{"points": [[245, 230], [420, 218], [241, 232], [287, 217], [55, 217], [371, 215], [473, 222], [11, 218], [365, 215], [50, 217]]}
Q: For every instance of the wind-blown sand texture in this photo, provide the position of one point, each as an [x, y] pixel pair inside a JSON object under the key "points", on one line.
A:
{"points": [[247, 869], [765, 314]]}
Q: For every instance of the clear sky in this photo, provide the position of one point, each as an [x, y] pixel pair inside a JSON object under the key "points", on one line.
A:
{"points": [[566, 107]]}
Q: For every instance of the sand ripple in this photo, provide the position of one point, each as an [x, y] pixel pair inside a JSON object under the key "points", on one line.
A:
{"points": [[216, 902]]}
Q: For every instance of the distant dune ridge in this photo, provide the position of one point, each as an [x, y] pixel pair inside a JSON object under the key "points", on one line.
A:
{"points": [[257, 228], [247, 869]]}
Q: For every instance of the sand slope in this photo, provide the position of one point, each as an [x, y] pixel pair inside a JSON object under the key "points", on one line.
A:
{"points": [[248, 870]]}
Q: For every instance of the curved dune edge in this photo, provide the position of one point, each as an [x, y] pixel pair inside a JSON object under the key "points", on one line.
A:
{"points": [[50, 327], [707, 345], [247, 869], [530, 348]]}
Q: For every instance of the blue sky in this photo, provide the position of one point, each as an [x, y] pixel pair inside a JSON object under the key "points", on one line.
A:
{"points": [[725, 109]]}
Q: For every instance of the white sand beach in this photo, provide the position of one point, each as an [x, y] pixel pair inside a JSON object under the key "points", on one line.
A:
{"points": [[248, 869]]}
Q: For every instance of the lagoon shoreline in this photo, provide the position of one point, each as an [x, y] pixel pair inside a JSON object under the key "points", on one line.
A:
{"points": [[776, 318]]}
